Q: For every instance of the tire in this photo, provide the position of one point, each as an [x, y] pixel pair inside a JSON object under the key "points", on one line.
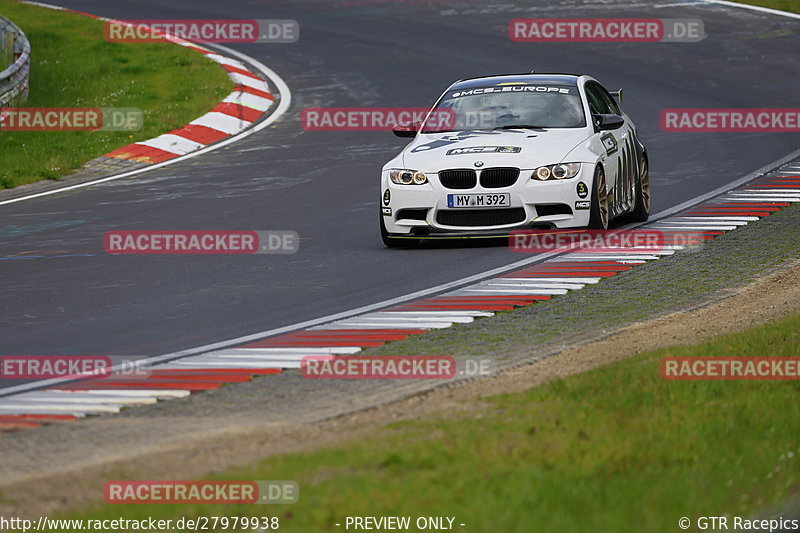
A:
{"points": [[394, 242], [598, 213], [641, 210]]}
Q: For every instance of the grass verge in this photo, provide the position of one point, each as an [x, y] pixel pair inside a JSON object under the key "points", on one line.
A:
{"points": [[784, 5], [607, 450], [74, 66]]}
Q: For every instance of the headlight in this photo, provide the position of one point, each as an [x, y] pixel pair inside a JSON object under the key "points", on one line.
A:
{"points": [[404, 176], [558, 172], [542, 173]]}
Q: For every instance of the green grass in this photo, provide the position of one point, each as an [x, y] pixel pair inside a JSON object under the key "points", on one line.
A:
{"points": [[792, 6], [615, 449], [74, 66]]}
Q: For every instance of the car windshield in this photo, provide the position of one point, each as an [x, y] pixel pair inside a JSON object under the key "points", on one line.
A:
{"points": [[507, 107]]}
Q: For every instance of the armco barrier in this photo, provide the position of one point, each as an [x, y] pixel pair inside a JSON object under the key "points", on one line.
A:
{"points": [[15, 58]]}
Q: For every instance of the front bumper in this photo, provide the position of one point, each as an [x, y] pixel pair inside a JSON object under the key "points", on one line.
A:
{"points": [[417, 210]]}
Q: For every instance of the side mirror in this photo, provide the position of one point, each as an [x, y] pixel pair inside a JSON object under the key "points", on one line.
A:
{"points": [[406, 129], [608, 122]]}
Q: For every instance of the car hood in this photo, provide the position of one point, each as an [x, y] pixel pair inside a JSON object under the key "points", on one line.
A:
{"points": [[526, 149]]}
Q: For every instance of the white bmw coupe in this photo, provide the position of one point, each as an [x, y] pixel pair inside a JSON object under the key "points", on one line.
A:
{"points": [[518, 151]]}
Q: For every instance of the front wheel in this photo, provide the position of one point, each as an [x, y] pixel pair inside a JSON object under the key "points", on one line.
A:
{"points": [[641, 210], [598, 214], [394, 242]]}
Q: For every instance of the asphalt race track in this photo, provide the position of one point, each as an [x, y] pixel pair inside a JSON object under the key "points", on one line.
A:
{"points": [[70, 298]]}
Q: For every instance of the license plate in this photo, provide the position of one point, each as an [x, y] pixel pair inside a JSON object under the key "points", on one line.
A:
{"points": [[479, 200]]}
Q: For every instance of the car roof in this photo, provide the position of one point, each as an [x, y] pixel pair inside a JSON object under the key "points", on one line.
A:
{"points": [[548, 79]]}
